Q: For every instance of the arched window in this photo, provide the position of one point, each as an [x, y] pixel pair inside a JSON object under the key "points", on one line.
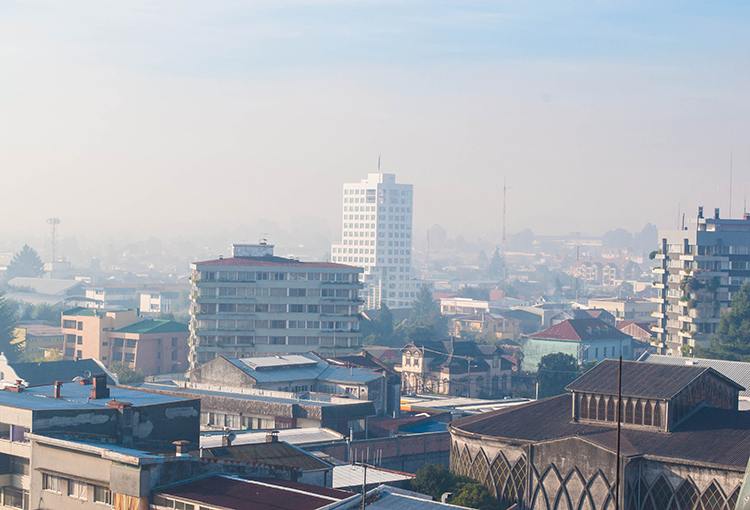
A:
{"points": [[629, 412], [505, 382], [602, 411], [480, 382], [657, 415], [583, 408], [610, 409], [592, 408], [647, 413], [638, 418]]}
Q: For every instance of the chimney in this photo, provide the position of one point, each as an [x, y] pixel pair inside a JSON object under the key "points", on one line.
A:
{"points": [[100, 389], [182, 447], [272, 436], [18, 388], [58, 388], [700, 212], [716, 213], [227, 437]]}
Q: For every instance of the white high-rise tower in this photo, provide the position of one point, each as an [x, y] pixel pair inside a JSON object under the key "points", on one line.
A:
{"points": [[377, 236]]}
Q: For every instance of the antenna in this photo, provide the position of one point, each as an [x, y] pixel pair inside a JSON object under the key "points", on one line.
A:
{"points": [[378, 163], [730, 184], [54, 222]]}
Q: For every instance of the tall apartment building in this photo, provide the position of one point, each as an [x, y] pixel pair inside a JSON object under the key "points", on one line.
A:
{"points": [[377, 236], [256, 304], [698, 270]]}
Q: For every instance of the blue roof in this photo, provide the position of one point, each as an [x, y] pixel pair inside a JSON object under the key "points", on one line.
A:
{"points": [[77, 396], [299, 368]]}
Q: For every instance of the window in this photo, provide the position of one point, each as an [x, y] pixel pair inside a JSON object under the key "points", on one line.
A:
{"points": [[76, 489], [116, 356], [174, 342], [80, 326], [102, 495], [19, 465], [130, 342], [15, 498], [119, 342], [79, 354], [51, 483], [80, 340], [297, 308], [68, 324], [129, 357], [174, 355]]}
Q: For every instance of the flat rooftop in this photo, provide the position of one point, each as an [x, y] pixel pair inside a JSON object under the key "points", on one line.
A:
{"points": [[298, 437], [78, 396], [234, 493]]}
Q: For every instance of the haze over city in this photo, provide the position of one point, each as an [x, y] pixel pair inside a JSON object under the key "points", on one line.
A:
{"points": [[186, 118]]}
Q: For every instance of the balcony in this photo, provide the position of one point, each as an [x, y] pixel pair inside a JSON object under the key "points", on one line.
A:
{"points": [[658, 270]]}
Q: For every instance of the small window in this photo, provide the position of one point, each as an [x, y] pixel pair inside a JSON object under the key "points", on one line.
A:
{"points": [[129, 357], [102, 495], [174, 342], [130, 342], [77, 489], [51, 483]]}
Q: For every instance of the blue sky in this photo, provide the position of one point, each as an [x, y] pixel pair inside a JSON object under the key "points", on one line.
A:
{"points": [[599, 114]]}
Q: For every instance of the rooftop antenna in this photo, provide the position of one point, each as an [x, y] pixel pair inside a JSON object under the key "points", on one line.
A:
{"points": [[263, 240], [54, 222], [730, 184], [505, 189]]}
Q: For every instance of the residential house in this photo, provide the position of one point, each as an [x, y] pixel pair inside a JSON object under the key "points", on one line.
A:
{"points": [[454, 367], [584, 339], [486, 325], [625, 309], [38, 339]]}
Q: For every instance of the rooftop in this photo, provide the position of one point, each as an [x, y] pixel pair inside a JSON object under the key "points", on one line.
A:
{"points": [[271, 369], [154, 326], [277, 454], [715, 436], [351, 475], [273, 262], [64, 370], [392, 498], [46, 285], [234, 493], [578, 330], [648, 380], [738, 371], [41, 330], [301, 436]]}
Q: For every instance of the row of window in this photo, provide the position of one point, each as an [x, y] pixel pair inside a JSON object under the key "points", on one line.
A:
{"points": [[251, 276], [371, 260], [212, 292], [76, 489], [211, 340], [241, 325]]}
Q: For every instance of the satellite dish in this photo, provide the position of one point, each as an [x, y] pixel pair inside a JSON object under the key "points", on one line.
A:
{"points": [[87, 374], [231, 436]]}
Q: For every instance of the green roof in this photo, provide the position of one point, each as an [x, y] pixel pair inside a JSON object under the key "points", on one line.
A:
{"points": [[90, 312], [150, 326]]}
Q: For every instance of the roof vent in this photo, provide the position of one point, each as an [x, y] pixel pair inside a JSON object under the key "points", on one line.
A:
{"points": [[272, 436]]}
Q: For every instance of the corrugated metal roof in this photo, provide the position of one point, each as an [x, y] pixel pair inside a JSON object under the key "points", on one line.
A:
{"points": [[349, 475], [738, 371], [648, 380], [280, 369], [277, 454], [391, 498], [302, 436]]}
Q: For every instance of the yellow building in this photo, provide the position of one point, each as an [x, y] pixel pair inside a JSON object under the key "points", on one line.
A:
{"points": [[480, 325], [37, 339]]}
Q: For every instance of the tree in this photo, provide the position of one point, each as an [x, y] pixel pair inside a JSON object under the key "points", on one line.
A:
{"points": [[124, 374], [8, 324], [425, 311], [25, 263], [473, 494], [625, 290], [474, 293], [733, 335], [555, 372], [495, 269], [433, 480]]}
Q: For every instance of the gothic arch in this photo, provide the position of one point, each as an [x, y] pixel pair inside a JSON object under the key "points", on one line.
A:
{"points": [[713, 497], [480, 468]]}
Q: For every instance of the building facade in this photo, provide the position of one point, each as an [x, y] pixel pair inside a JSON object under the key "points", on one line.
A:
{"points": [[697, 271], [455, 367], [585, 339], [256, 304], [684, 444], [377, 236], [149, 346], [37, 339]]}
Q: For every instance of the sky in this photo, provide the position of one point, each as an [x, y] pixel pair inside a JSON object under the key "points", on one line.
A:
{"points": [[180, 117]]}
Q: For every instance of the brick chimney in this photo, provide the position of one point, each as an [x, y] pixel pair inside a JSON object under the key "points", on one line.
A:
{"points": [[58, 389], [100, 389], [183, 447]]}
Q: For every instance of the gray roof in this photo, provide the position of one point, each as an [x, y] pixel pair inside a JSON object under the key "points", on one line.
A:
{"points": [[392, 498], [280, 369], [648, 380], [64, 370], [351, 475], [738, 371], [46, 285]]}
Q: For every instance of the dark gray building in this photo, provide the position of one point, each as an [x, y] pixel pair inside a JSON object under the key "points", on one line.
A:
{"points": [[684, 444]]}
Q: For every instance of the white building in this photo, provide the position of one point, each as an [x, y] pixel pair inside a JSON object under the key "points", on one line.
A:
{"points": [[256, 304], [377, 236]]}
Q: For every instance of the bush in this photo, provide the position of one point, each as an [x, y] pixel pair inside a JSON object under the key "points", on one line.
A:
{"points": [[126, 375]]}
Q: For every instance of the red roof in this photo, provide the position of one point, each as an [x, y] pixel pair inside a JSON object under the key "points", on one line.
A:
{"points": [[581, 330], [272, 262], [258, 493]]}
